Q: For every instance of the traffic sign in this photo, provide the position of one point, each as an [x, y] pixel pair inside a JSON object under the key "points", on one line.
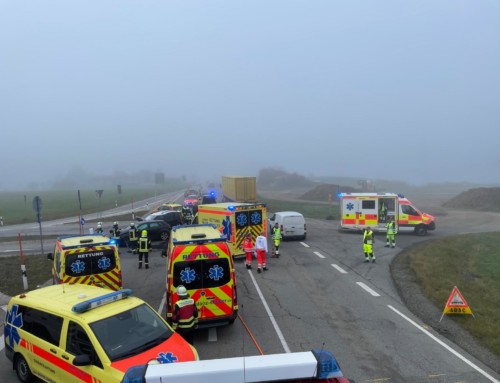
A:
{"points": [[37, 207], [82, 221], [456, 304]]}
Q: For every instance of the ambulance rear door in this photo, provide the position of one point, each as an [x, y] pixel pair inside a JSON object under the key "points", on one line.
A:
{"points": [[248, 221]]}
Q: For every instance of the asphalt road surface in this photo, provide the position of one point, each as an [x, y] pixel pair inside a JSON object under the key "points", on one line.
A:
{"points": [[320, 293]]}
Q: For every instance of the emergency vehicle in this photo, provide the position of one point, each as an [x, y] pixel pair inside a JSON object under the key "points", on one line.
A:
{"points": [[199, 259], [316, 366], [235, 220], [80, 333], [88, 259], [360, 210]]}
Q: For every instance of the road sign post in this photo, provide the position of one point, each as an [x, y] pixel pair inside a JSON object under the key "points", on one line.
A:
{"points": [[37, 207]]}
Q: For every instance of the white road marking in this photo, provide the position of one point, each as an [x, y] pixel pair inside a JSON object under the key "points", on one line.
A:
{"points": [[319, 254], [339, 268], [482, 372], [162, 303], [2, 342], [212, 334], [365, 287], [270, 314], [304, 244]]}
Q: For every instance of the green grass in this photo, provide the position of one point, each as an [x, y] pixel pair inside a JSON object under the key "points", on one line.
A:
{"points": [[472, 263], [11, 280], [307, 209], [16, 207]]}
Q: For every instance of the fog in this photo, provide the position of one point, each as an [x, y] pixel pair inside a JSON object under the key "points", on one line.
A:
{"points": [[371, 89]]}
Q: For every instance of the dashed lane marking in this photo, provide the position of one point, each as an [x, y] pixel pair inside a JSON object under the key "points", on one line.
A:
{"points": [[304, 244], [366, 288], [319, 254], [340, 269]]}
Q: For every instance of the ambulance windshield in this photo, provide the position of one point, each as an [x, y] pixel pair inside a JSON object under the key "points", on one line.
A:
{"points": [[130, 332], [90, 262], [202, 274]]}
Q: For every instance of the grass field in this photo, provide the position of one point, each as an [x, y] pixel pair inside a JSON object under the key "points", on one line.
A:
{"points": [[308, 209], [472, 263], [17, 207]]}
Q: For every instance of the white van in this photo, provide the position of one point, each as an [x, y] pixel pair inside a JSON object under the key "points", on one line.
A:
{"points": [[292, 224]]}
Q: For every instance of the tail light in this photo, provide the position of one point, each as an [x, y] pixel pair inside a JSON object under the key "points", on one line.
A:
{"points": [[305, 228]]}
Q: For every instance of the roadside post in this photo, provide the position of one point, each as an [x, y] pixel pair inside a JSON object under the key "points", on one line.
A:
{"points": [[37, 207], [23, 266]]}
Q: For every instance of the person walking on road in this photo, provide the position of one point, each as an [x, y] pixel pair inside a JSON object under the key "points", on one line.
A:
{"points": [[133, 237], [368, 241], [391, 233], [115, 232], [144, 249], [277, 239], [249, 251], [185, 316], [261, 249]]}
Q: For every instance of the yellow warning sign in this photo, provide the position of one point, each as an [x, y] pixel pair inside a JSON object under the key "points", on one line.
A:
{"points": [[456, 304]]}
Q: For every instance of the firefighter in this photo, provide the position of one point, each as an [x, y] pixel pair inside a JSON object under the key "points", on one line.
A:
{"points": [[249, 251], [144, 249], [261, 249], [368, 240], [277, 239], [99, 229], [185, 316], [383, 212], [187, 214], [115, 232], [391, 233], [133, 237]]}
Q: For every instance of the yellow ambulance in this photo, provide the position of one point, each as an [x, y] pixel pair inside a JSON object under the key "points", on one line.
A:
{"points": [[199, 259], [88, 259], [80, 333], [235, 220]]}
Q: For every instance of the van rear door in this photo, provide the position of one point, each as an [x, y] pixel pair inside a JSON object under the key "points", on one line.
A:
{"points": [[293, 226]]}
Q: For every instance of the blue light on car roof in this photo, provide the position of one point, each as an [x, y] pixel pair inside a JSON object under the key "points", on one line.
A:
{"points": [[339, 195], [135, 374], [230, 208], [102, 300], [328, 366]]}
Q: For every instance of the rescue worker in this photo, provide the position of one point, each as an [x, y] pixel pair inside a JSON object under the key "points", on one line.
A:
{"points": [[144, 249], [383, 212], [391, 233], [277, 239], [133, 237], [368, 240], [99, 229], [249, 251], [185, 315], [115, 232], [261, 249], [187, 214]]}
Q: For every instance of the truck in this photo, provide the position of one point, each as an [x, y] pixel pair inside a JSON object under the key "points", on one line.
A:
{"points": [[239, 189], [235, 220], [361, 210]]}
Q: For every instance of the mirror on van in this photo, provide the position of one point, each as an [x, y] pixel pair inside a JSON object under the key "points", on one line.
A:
{"points": [[82, 360]]}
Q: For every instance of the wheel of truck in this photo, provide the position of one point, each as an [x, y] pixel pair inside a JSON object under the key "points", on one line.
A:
{"points": [[420, 230], [23, 369]]}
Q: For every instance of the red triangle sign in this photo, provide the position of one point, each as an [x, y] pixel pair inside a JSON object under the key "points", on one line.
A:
{"points": [[456, 299]]}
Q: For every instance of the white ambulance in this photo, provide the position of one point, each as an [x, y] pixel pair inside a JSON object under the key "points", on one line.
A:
{"points": [[361, 210]]}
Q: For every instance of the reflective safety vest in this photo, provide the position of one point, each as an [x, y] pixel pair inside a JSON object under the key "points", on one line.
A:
{"points": [[132, 235], [248, 246], [115, 232], [368, 237], [144, 245], [185, 314], [391, 228], [276, 234]]}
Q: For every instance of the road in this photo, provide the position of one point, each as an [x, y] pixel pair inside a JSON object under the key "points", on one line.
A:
{"points": [[320, 293]]}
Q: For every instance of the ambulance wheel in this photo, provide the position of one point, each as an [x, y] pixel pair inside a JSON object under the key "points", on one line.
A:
{"points": [[420, 230], [23, 370]]}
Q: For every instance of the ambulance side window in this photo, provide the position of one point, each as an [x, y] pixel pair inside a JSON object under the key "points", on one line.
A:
{"points": [[78, 343], [407, 209], [368, 204], [41, 324]]}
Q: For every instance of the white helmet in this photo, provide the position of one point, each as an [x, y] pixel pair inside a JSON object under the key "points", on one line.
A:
{"points": [[132, 224], [181, 291]]}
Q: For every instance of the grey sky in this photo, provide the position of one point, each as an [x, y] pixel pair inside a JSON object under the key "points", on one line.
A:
{"points": [[406, 90]]}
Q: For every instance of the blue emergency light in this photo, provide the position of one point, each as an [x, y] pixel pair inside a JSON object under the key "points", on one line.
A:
{"points": [[328, 367], [135, 374], [102, 300], [231, 207]]}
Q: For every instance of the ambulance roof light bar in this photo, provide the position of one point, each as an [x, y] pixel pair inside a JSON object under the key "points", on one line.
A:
{"points": [[101, 301], [316, 366]]}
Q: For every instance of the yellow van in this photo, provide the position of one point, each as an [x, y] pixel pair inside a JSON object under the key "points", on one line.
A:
{"points": [[79, 333], [87, 259], [199, 259]]}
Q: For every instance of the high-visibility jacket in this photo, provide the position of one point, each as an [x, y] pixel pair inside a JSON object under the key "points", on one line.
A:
{"points": [[133, 234], [277, 235], [391, 228], [144, 245], [248, 246], [115, 232], [185, 314], [368, 237]]}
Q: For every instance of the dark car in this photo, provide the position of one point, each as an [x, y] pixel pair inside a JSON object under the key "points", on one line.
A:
{"points": [[157, 231], [206, 199], [173, 218]]}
